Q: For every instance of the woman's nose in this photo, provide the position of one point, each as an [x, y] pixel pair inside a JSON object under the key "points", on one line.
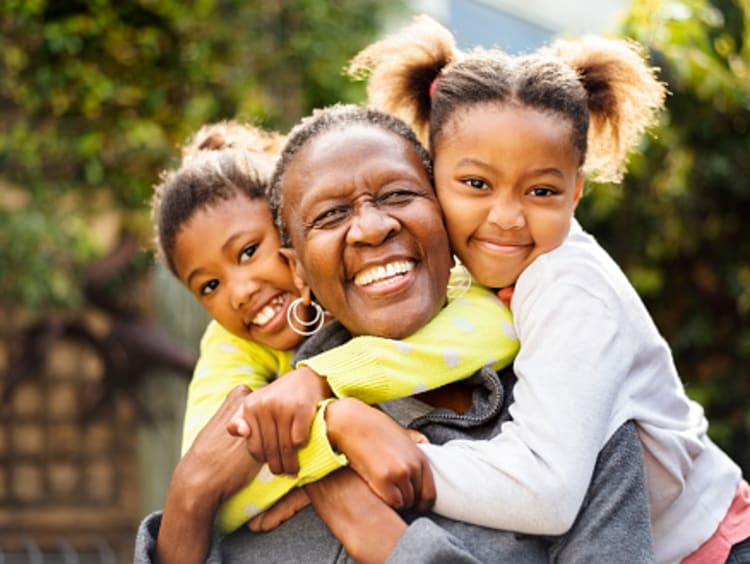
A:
{"points": [[371, 226]]}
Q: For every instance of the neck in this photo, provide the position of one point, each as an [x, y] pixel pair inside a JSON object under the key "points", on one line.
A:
{"points": [[451, 396]]}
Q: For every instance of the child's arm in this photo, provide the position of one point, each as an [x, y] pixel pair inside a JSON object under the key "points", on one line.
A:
{"points": [[572, 366], [316, 460], [465, 335], [226, 361], [468, 333]]}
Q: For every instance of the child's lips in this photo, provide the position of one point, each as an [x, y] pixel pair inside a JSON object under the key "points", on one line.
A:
{"points": [[502, 246], [268, 312]]}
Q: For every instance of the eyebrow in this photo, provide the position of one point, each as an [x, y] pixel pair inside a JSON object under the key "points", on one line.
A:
{"points": [[224, 247], [533, 173], [195, 272], [547, 170]]}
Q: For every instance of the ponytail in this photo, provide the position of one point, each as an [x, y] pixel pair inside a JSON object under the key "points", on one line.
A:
{"points": [[230, 134], [623, 98], [403, 69]]}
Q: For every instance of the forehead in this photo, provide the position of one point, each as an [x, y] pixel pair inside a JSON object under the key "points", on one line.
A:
{"points": [[357, 153], [520, 128], [201, 238]]}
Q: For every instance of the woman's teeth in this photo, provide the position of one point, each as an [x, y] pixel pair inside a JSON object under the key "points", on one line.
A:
{"points": [[269, 311], [382, 272]]}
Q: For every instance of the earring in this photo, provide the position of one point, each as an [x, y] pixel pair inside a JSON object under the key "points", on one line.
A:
{"points": [[292, 317], [459, 283]]}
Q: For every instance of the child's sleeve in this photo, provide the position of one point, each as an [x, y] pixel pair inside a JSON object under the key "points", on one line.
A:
{"points": [[470, 332], [316, 460], [226, 361]]}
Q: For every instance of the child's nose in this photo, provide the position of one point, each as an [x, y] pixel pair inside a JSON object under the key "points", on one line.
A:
{"points": [[507, 214], [243, 290]]}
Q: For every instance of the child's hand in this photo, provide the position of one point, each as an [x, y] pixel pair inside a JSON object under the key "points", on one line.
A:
{"points": [[383, 453], [281, 511], [276, 419]]}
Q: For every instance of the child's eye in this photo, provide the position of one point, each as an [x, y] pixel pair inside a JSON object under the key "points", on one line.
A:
{"points": [[542, 191], [209, 287], [248, 252], [476, 183]]}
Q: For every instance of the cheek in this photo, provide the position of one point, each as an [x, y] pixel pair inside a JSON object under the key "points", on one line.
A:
{"points": [[281, 274], [550, 230], [460, 224], [320, 257]]}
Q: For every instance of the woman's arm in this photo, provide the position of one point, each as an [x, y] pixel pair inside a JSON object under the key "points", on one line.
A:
{"points": [[353, 513], [372, 532], [380, 451], [215, 466]]}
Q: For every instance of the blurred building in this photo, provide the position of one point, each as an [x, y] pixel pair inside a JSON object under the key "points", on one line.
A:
{"points": [[517, 26]]}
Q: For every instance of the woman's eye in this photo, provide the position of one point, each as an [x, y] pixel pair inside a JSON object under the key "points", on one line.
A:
{"points": [[396, 197], [476, 183], [248, 252], [330, 217], [209, 287]]}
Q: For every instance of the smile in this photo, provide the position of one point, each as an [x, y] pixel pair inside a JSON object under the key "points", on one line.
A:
{"points": [[269, 311], [383, 274], [502, 247]]}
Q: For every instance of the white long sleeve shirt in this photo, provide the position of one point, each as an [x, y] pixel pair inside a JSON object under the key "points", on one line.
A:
{"points": [[591, 358]]}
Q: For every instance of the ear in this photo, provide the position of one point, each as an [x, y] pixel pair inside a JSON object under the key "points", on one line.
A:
{"points": [[579, 189], [298, 273]]}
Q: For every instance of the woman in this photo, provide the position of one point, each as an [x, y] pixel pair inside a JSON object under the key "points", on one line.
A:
{"points": [[352, 192]]}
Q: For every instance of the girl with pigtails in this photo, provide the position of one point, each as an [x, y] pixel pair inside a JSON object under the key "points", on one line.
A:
{"points": [[512, 139]]}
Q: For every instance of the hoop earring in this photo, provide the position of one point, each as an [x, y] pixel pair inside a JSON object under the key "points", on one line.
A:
{"points": [[292, 317], [460, 282]]}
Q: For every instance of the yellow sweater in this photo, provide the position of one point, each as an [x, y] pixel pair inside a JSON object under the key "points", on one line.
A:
{"points": [[470, 332]]}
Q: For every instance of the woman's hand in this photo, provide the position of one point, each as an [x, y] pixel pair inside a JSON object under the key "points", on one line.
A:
{"points": [[368, 528], [281, 511], [276, 419], [216, 466], [382, 452]]}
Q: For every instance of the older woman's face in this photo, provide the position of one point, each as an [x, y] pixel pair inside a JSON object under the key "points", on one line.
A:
{"points": [[367, 230]]}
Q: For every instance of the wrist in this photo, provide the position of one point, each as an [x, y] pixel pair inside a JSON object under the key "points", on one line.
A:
{"points": [[191, 493], [320, 382], [340, 418]]}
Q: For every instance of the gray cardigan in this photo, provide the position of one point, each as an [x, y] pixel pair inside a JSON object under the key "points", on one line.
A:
{"points": [[613, 525]]}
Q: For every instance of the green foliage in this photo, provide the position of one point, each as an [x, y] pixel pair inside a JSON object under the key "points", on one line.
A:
{"points": [[679, 224], [96, 95]]}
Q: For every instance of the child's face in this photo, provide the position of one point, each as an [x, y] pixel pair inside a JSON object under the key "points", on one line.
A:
{"points": [[228, 257], [508, 181]]}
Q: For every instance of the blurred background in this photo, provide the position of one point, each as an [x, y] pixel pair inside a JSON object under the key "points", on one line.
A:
{"points": [[97, 343]]}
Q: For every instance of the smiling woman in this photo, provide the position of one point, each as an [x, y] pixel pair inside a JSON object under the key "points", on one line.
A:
{"points": [[367, 231]]}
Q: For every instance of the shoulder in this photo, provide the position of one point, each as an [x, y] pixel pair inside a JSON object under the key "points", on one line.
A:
{"points": [[218, 342], [578, 267]]}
